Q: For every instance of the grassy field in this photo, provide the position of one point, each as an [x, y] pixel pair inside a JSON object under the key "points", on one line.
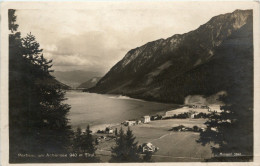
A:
{"points": [[174, 146]]}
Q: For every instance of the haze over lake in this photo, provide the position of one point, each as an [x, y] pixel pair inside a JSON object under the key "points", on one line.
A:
{"points": [[100, 111]]}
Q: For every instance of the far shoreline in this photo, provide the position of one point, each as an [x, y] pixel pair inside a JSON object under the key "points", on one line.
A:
{"points": [[160, 111], [130, 96]]}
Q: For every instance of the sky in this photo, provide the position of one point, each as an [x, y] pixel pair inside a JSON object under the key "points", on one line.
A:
{"points": [[96, 36]]}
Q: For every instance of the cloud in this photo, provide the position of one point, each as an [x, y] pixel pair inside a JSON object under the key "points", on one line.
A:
{"points": [[97, 48], [90, 49], [99, 36]]}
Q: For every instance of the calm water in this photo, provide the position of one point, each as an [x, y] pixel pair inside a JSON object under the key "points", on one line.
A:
{"points": [[100, 111]]}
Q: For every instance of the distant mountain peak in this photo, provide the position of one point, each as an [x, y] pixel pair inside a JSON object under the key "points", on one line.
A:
{"points": [[89, 83], [75, 77]]}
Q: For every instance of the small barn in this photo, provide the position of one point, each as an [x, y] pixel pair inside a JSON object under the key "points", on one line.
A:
{"points": [[145, 119]]}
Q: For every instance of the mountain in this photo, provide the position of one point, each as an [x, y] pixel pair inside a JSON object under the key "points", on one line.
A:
{"points": [[63, 86], [53, 82], [90, 83], [74, 78], [204, 61]]}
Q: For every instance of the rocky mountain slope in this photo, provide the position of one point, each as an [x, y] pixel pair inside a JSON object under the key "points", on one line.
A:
{"points": [[90, 83], [210, 59]]}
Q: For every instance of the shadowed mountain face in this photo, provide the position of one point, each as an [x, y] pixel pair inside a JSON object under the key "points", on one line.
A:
{"points": [[56, 82], [90, 83], [212, 58]]}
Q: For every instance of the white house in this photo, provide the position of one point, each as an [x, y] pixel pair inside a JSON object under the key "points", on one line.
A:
{"points": [[149, 147], [146, 119], [215, 108], [129, 122]]}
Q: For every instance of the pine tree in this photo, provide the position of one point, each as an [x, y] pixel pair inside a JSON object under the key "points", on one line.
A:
{"points": [[96, 141], [37, 116], [234, 127], [118, 152], [17, 91], [83, 143], [49, 113], [11, 20], [116, 133], [77, 140], [131, 147], [126, 148], [87, 144]]}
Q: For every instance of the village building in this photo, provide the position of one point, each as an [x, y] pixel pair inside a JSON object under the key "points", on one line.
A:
{"points": [[146, 119], [129, 122], [215, 108], [192, 116], [148, 147], [109, 130], [156, 117], [214, 129], [204, 106], [138, 121]]}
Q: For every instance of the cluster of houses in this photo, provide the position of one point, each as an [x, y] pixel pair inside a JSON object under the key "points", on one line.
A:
{"points": [[211, 108], [184, 128], [144, 119], [215, 108], [194, 110], [146, 147], [108, 130], [199, 106], [189, 114]]}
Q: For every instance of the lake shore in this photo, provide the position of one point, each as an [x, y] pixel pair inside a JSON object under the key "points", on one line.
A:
{"points": [[100, 111]]}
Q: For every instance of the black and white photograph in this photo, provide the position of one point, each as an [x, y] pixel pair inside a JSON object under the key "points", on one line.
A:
{"points": [[129, 82]]}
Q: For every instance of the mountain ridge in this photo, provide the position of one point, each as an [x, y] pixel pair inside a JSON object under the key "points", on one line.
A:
{"points": [[156, 65]]}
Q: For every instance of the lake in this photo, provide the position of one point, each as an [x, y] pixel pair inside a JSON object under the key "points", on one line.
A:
{"points": [[100, 111]]}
